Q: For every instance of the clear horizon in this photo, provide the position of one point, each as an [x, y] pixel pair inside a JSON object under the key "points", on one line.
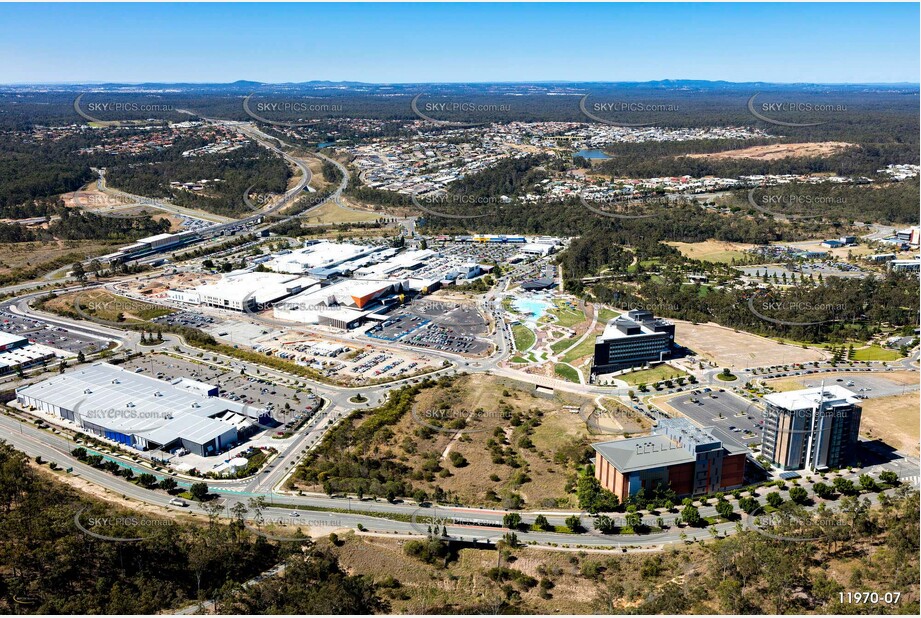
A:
{"points": [[859, 43]]}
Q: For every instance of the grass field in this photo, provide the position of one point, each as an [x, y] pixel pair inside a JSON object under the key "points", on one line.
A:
{"points": [[566, 372], [605, 315], [556, 428], [893, 419], [23, 260], [566, 316], [655, 374], [562, 344], [875, 353], [524, 337], [463, 582], [711, 250], [583, 349], [330, 212], [774, 152]]}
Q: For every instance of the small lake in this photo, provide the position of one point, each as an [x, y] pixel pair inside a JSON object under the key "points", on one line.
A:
{"points": [[591, 154]]}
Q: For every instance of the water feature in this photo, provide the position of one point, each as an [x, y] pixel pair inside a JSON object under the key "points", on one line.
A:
{"points": [[536, 307], [591, 154]]}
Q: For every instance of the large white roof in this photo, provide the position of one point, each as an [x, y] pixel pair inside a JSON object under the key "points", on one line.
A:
{"points": [[262, 287], [135, 404], [808, 398]]}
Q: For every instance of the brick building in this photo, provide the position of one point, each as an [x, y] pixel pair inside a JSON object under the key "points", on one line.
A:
{"points": [[690, 459]]}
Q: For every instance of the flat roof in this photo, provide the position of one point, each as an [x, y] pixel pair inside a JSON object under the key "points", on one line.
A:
{"points": [[262, 287], [8, 338], [659, 450], [612, 332], [654, 451], [155, 238], [135, 404], [809, 398], [321, 255]]}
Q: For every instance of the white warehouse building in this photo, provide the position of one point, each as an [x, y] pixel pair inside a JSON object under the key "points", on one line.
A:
{"points": [[141, 412]]}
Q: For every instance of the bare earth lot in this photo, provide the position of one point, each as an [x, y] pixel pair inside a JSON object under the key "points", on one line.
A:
{"points": [[893, 419], [711, 250], [774, 152], [736, 349], [28, 255]]}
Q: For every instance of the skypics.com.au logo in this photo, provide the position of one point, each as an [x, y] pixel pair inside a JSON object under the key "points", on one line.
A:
{"points": [[617, 206], [434, 112], [793, 312], [784, 113], [290, 528], [122, 308], [441, 203], [118, 112], [118, 528], [116, 206], [453, 421], [776, 204], [615, 112], [275, 112]]}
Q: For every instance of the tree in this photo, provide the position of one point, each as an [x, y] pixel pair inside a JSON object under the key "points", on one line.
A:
{"points": [[799, 495], [511, 521], [889, 477], [81, 357], [605, 525], [147, 480], [541, 523], [822, 490], [867, 482], [635, 522], [593, 497], [78, 272], [724, 508], [574, 523], [844, 486], [748, 504], [690, 515], [774, 499], [199, 491], [168, 484]]}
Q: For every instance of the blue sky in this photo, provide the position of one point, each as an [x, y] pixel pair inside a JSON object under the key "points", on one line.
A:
{"points": [[830, 43]]}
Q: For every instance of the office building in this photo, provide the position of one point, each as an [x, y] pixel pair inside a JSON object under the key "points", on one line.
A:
{"points": [[680, 455], [812, 429], [633, 340]]}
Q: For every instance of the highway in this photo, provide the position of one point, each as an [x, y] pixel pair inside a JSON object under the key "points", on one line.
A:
{"points": [[462, 523], [265, 485], [466, 523]]}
